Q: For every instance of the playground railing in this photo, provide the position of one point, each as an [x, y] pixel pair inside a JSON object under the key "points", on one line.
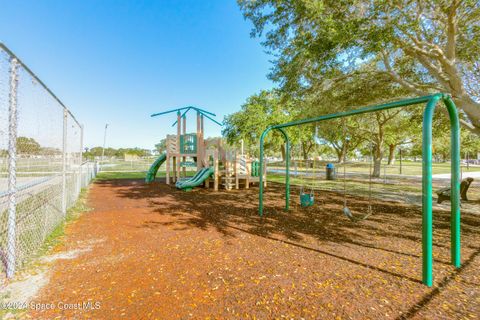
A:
{"points": [[41, 166]]}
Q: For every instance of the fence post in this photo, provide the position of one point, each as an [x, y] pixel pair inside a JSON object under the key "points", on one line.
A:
{"points": [[64, 163], [12, 167]]}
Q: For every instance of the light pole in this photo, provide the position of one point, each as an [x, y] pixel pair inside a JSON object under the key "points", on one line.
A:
{"points": [[104, 140]]}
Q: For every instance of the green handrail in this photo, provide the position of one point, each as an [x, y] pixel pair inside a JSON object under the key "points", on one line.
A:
{"points": [[431, 102]]}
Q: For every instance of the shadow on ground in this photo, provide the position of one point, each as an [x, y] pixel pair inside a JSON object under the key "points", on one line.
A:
{"points": [[391, 234]]}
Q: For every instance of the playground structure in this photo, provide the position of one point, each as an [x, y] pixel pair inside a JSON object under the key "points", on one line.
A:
{"points": [[427, 233], [217, 165]]}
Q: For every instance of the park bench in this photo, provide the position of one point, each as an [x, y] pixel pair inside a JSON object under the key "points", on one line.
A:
{"points": [[444, 193]]}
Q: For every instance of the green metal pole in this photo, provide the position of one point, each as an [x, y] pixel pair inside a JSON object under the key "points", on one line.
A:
{"points": [[260, 186], [385, 106], [287, 178], [261, 165], [455, 182], [427, 257], [287, 169]]}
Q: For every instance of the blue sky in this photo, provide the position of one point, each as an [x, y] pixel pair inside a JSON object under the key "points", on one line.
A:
{"points": [[117, 62]]}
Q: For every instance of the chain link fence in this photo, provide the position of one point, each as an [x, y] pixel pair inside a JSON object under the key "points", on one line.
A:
{"points": [[41, 167]]}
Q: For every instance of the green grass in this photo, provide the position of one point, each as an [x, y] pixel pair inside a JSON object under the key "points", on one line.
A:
{"points": [[110, 175], [54, 239], [127, 165], [354, 185], [409, 168], [33, 213], [398, 188], [106, 175], [30, 217], [73, 213]]}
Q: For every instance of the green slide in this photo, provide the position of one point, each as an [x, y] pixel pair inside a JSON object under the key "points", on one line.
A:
{"points": [[196, 180], [152, 172], [194, 177]]}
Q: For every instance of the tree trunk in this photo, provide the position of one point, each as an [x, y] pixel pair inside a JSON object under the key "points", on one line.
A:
{"points": [[391, 154], [282, 150], [472, 110], [444, 156], [304, 151], [341, 154], [377, 161]]}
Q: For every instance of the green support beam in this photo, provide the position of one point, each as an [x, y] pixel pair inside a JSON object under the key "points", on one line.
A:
{"points": [[427, 216], [455, 182], [287, 163]]}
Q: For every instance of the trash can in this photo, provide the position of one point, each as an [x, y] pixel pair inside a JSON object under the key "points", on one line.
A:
{"points": [[330, 171]]}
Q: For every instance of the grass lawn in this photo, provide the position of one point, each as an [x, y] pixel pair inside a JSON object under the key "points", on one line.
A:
{"points": [[409, 168], [396, 188], [109, 175]]}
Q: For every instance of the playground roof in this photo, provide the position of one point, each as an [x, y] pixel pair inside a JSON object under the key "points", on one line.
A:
{"points": [[205, 113]]}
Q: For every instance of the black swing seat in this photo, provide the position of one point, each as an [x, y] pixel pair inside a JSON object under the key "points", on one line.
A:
{"points": [[444, 193]]}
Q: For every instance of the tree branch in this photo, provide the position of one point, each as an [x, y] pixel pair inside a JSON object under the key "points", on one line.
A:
{"points": [[404, 83], [452, 30]]}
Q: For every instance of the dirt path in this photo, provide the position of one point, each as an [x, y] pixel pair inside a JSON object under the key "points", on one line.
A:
{"points": [[158, 253]]}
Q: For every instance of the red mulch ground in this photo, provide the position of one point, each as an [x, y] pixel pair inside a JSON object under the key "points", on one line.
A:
{"points": [[167, 254]]}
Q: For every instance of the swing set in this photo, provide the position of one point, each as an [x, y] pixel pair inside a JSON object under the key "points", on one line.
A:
{"points": [[346, 210], [307, 199], [429, 103]]}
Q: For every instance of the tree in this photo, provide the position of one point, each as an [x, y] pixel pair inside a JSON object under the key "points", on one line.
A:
{"points": [[259, 111], [133, 151], [470, 144], [342, 135], [27, 145], [263, 110], [161, 146], [306, 138], [423, 46], [119, 153], [403, 130], [377, 129]]}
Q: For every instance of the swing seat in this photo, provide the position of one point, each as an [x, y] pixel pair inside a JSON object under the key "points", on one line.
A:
{"points": [[346, 211], [306, 199]]}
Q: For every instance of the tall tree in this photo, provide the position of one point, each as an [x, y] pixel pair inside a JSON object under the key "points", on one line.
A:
{"points": [[379, 129], [422, 45], [161, 146], [259, 111], [27, 145], [343, 136]]}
